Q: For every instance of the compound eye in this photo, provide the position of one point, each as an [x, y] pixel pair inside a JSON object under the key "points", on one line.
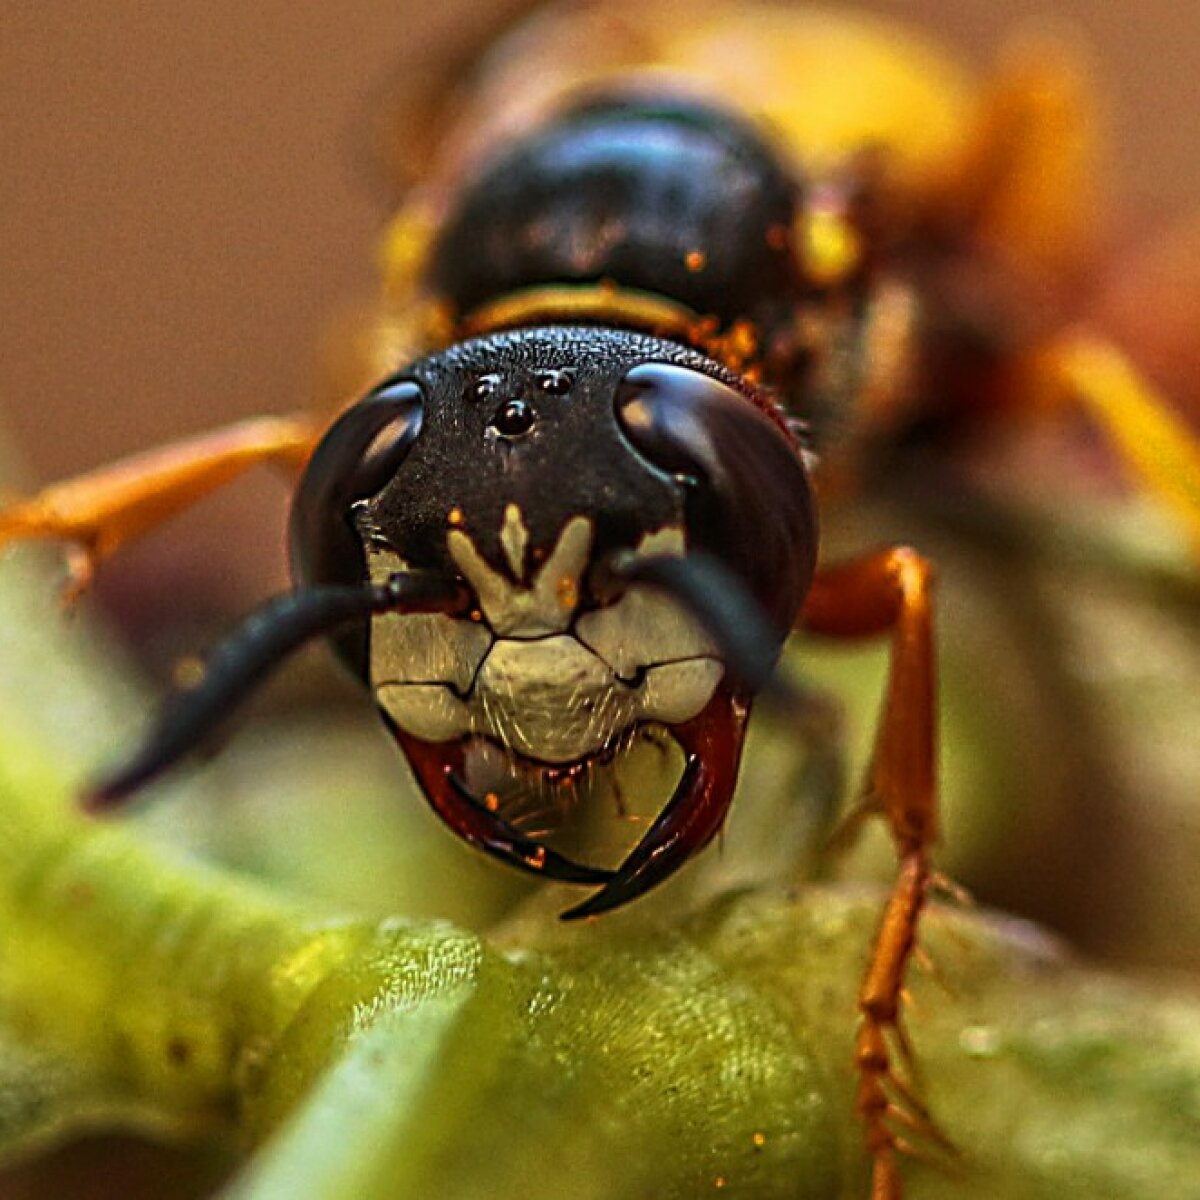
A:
{"points": [[355, 460], [514, 418], [394, 412], [747, 496], [665, 412]]}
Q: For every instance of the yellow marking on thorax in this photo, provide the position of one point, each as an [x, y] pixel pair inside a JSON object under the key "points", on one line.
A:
{"points": [[603, 302], [736, 346], [828, 246]]}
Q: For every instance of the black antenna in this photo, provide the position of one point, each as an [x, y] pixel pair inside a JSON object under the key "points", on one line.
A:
{"points": [[247, 656]]}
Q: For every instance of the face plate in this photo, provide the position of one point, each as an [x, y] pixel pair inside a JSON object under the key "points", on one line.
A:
{"points": [[533, 673], [555, 663]]}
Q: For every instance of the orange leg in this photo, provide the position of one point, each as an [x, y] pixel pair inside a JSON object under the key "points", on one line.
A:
{"points": [[891, 591], [1157, 445], [98, 512]]}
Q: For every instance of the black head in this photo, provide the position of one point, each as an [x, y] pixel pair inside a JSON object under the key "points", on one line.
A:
{"points": [[630, 432]]}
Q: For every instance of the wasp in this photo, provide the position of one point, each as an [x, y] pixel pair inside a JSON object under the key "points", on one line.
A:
{"points": [[660, 294]]}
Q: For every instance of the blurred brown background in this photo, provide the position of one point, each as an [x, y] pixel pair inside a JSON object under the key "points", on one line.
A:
{"points": [[186, 198]]}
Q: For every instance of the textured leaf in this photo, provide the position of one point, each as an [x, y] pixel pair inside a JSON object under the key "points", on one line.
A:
{"points": [[668, 1051]]}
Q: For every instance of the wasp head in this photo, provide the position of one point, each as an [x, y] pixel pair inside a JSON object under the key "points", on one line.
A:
{"points": [[555, 471]]}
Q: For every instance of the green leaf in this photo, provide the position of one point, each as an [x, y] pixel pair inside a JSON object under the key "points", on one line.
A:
{"points": [[672, 1050]]}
